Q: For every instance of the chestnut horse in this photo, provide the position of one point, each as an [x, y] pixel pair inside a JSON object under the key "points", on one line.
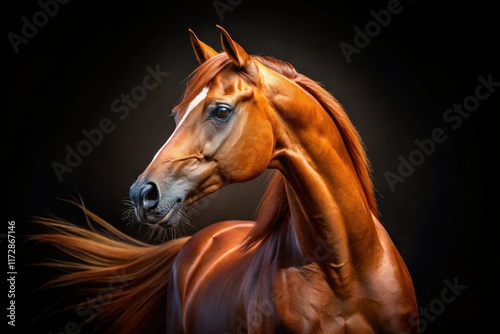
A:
{"points": [[317, 259]]}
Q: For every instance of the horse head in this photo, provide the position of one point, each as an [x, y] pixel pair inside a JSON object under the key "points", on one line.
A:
{"points": [[223, 135]]}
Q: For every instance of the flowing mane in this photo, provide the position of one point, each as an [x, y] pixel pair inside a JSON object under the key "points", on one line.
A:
{"points": [[273, 206]]}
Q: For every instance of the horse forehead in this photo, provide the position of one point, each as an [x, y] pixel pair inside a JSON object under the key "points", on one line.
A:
{"points": [[189, 105], [229, 81], [197, 99]]}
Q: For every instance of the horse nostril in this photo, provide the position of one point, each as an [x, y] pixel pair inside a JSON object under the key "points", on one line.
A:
{"points": [[150, 195]]}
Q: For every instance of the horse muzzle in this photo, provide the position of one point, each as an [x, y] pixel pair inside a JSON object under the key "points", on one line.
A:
{"points": [[153, 207]]}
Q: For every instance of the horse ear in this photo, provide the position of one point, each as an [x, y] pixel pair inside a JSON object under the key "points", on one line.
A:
{"points": [[202, 51], [237, 54]]}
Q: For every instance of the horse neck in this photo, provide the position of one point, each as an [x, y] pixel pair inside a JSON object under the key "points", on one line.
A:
{"points": [[329, 212]]}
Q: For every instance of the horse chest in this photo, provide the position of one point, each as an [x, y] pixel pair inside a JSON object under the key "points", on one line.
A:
{"points": [[309, 305]]}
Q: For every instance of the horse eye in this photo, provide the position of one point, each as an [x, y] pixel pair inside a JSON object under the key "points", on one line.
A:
{"points": [[221, 112]]}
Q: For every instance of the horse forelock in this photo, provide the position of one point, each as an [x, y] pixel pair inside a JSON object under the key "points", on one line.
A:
{"points": [[201, 78], [206, 72]]}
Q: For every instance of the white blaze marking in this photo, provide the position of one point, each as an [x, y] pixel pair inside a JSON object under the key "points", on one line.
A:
{"points": [[193, 104]]}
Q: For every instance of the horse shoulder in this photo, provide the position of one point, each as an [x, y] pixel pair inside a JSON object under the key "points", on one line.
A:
{"points": [[207, 246], [380, 302], [392, 286], [197, 257]]}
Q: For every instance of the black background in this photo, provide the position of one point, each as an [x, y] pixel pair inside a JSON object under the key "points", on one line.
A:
{"points": [[396, 90]]}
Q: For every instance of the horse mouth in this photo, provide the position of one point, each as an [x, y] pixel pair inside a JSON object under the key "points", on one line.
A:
{"points": [[173, 216], [174, 211]]}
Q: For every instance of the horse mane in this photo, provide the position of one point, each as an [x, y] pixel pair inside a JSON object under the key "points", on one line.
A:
{"points": [[124, 280], [273, 207]]}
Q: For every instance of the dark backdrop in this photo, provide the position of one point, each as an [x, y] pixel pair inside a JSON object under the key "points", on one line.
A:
{"points": [[63, 80]]}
